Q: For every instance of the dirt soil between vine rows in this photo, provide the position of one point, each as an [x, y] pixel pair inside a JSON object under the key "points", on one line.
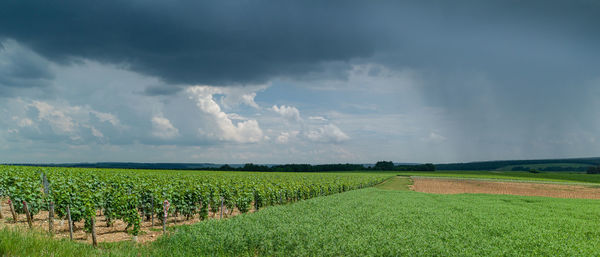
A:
{"points": [[460, 186], [115, 233]]}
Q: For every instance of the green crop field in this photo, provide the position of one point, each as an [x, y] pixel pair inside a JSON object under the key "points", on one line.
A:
{"points": [[376, 222], [402, 223], [129, 195], [395, 183], [385, 220]]}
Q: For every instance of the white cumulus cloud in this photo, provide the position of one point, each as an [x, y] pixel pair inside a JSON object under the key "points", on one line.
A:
{"points": [[24, 122], [223, 128], [291, 113], [318, 118], [235, 116], [285, 137], [327, 134], [58, 118], [435, 138], [234, 96], [162, 128], [96, 132], [107, 117]]}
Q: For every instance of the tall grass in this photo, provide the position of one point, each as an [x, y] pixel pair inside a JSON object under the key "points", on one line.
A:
{"points": [[374, 222], [396, 183], [25, 242], [22, 242]]}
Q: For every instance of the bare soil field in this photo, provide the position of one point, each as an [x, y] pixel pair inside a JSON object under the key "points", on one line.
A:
{"points": [[115, 233], [459, 186]]}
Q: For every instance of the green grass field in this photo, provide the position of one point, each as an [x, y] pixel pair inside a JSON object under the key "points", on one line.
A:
{"points": [[21, 242], [369, 222], [374, 222], [395, 183]]}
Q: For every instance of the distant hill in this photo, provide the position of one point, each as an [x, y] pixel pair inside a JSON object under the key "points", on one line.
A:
{"points": [[570, 164], [132, 165], [214, 166]]}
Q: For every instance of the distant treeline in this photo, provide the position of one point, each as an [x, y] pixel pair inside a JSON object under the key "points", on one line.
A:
{"points": [[127, 165], [551, 168], [593, 170], [382, 165], [493, 165]]}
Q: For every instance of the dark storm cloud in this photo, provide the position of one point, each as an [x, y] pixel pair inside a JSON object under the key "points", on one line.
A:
{"points": [[157, 90], [192, 42], [224, 42], [20, 68], [488, 79]]}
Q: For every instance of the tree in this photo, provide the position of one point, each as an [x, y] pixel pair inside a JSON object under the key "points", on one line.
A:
{"points": [[384, 165], [254, 167], [428, 167], [226, 167], [593, 170]]}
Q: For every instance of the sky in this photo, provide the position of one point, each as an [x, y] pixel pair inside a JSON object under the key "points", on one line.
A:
{"points": [[298, 81]]}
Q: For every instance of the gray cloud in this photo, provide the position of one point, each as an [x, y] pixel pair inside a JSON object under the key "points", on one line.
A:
{"points": [[158, 90], [226, 42], [192, 42], [447, 80], [21, 68]]}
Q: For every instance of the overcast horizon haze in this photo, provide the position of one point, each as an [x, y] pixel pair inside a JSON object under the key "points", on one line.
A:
{"points": [[298, 81]]}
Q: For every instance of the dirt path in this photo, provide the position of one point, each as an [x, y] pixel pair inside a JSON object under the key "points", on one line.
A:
{"points": [[396, 183], [459, 186]]}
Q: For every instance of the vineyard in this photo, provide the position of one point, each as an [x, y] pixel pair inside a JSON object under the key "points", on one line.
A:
{"points": [[130, 196]]}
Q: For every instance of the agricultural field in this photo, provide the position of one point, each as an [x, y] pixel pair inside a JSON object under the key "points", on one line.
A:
{"points": [[115, 205], [376, 222], [565, 177], [372, 219], [299, 128], [479, 186]]}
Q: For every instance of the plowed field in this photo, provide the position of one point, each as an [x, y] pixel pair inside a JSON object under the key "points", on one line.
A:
{"points": [[459, 186]]}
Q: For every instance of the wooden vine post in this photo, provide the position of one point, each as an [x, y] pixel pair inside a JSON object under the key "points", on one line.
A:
{"points": [[29, 222], [222, 200], [51, 218], [166, 205], [94, 242], [202, 207], [152, 204], [1, 216], [50, 204], [70, 222], [12, 210]]}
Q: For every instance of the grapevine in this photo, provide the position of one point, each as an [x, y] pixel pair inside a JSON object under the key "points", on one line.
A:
{"points": [[130, 195]]}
